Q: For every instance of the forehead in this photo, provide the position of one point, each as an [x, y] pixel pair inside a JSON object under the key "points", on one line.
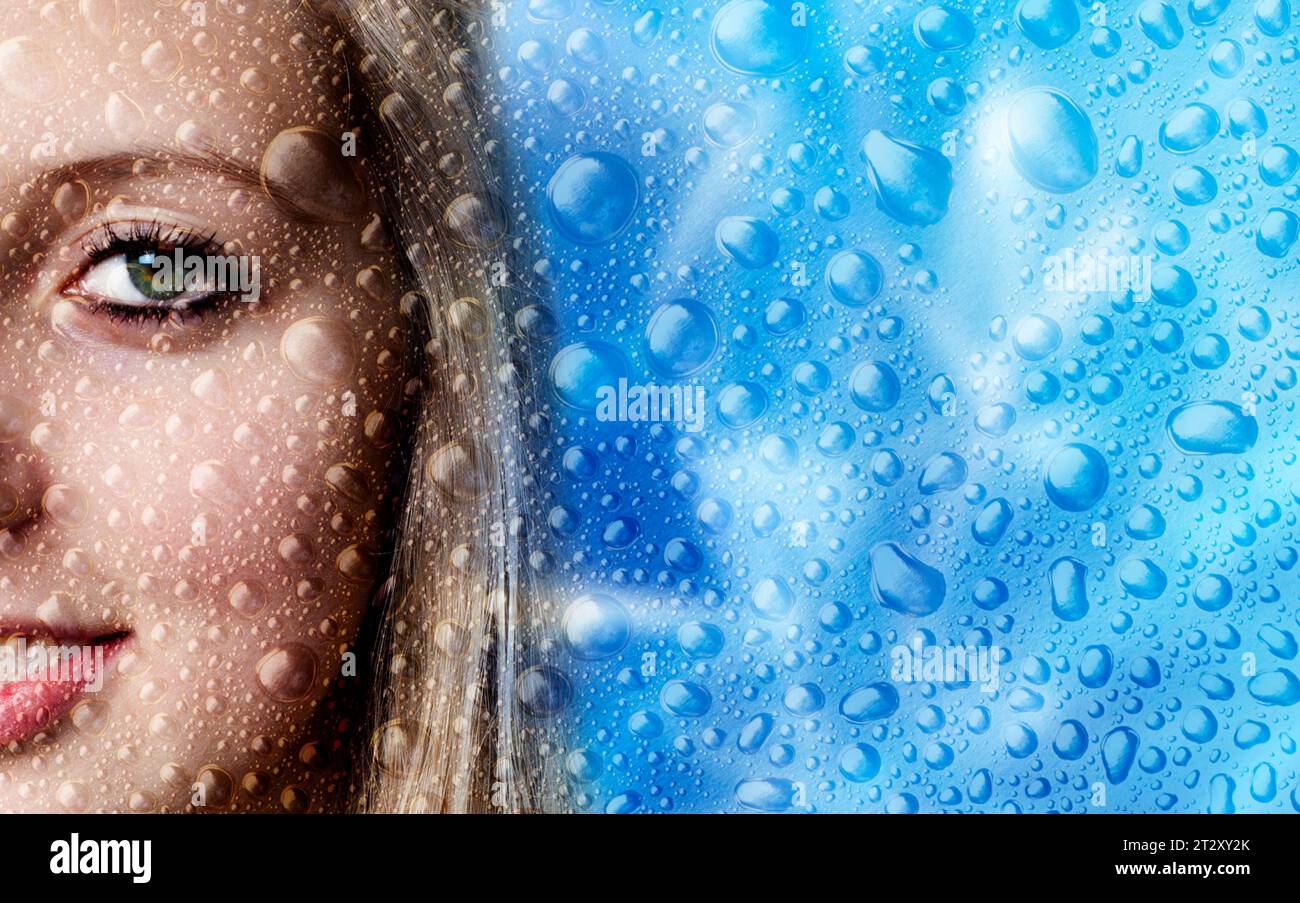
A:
{"points": [[86, 79]]}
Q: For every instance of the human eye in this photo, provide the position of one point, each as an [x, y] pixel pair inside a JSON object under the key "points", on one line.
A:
{"points": [[149, 272]]}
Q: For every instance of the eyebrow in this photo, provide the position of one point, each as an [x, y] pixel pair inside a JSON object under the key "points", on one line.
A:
{"points": [[122, 165]]}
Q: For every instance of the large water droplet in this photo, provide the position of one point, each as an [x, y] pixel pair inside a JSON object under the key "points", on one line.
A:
{"points": [[748, 241], [1118, 752], [912, 183], [854, 278], [1067, 579], [1277, 232], [1279, 687], [1048, 23], [681, 337], [596, 626], [759, 37], [304, 170], [870, 703], [943, 28], [903, 583], [1212, 428], [1052, 141], [585, 372], [320, 350], [874, 386], [1190, 129], [592, 197], [1076, 477]]}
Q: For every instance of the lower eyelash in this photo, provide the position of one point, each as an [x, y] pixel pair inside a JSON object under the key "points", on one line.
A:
{"points": [[121, 313]]}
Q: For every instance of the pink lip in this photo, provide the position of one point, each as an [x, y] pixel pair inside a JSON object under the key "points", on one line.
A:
{"points": [[29, 705]]}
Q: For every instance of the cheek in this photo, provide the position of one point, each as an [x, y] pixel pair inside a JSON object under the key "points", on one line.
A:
{"points": [[228, 505]]}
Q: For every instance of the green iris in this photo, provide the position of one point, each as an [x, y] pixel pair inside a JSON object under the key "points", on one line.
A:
{"points": [[149, 281]]}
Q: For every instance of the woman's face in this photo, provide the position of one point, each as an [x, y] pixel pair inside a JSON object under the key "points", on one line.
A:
{"points": [[192, 469]]}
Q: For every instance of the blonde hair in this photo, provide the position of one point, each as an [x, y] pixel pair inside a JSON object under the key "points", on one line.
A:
{"points": [[445, 730]]}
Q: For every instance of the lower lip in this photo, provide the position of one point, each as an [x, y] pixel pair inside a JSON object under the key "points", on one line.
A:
{"points": [[28, 706]]}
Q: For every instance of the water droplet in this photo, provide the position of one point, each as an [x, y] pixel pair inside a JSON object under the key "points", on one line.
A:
{"points": [[583, 373], [1048, 23], [287, 673], [903, 583], [1189, 129], [1212, 428], [304, 169], [748, 241], [874, 386], [29, 73], [854, 278], [592, 197], [596, 626], [1076, 477], [870, 703], [912, 183], [1052, 141], [1067, 579], [758, 37], [942, 28], [320, 350], [681, 338]]}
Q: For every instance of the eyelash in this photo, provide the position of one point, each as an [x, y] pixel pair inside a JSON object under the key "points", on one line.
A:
{"points": [[135, 237]]}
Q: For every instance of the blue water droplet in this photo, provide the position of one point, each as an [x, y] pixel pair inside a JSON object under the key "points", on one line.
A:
{"points": [[582, 372], [729, 124], [1159, 21], [1020, 739], [1195, 185], [759, 37], [1278, 164], [685, 699], [1048, 23], [1118, 752], [1141, 577], [874, 386], [1095, 666], [944, 472], [1277, 232], [1076, 477], [1245, 117], [859, 762], [1052, 141], [773, 599], [869, 703], [1273, 17], [942, 28], [1212, 428], [912, 183], [592, 197], [681, 338], [596, 626], [1199, 724], [1071, 740], [854, 278], [766, 794], [1067, 581], [1189, 129], [755, 733], [748, 241], [1128, 161], [992, 523], [903, 583], [742, 404], [1279, 687], [1036, 337]]}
